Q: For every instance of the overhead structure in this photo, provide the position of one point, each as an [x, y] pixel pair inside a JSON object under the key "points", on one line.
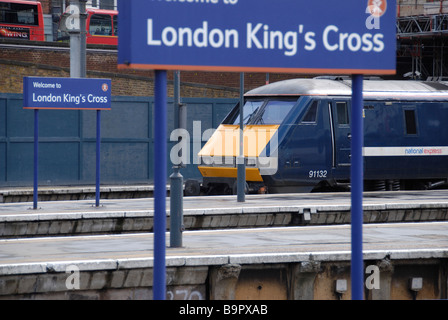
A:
{"points": [[422, 31]]}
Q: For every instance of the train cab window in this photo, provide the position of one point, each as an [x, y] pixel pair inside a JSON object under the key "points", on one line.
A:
{"points": [[342, 110], [250, 109], [101, 24], [275, 112], [410, 121], [311, 114], [265, 111]]}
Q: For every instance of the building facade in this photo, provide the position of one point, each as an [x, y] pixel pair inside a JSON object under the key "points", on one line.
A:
{"points": [[422, 30]]}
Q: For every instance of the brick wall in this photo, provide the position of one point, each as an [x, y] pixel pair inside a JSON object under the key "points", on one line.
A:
{"points": [[12, 73], [16, 63], [46, 5], [44, 62]]}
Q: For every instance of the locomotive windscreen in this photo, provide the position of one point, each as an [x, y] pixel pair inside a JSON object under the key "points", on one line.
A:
{"points": [[263, 112]]}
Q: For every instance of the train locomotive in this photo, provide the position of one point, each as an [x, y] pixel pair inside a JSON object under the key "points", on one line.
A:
{"points": [[297, 138]]}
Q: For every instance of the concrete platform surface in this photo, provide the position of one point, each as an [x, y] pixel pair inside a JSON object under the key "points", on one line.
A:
{"points": [[119, 216], [229, 204], [273, 245]]}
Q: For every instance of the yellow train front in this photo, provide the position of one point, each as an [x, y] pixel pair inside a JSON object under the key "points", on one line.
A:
{"points": [[220, 156], [271, 115]]}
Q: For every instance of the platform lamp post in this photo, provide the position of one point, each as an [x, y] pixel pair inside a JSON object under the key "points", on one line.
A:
{"points": [[176, 178], [241, 165], [75, 24], [76, 27]]}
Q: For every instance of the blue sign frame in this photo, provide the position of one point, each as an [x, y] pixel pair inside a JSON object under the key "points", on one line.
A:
{"points": [[294, 36], [67, 93], [354, 37]]}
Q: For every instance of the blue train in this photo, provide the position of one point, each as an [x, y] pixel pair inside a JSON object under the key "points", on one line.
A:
{"points": [[297, 138]]}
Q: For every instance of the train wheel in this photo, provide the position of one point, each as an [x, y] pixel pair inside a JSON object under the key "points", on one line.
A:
{"points": [[235, 188]]}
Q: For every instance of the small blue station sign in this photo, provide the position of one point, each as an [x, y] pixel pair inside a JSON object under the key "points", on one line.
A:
{"points": [[66, 93]]}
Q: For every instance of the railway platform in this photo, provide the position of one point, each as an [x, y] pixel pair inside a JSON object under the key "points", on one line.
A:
{"points": [[405, 256], [267, 263], [117, 216]]}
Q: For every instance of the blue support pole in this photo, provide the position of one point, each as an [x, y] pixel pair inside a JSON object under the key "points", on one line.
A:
{"points": [[98, 157], [357, 275], [36, 158], [160, 171]]}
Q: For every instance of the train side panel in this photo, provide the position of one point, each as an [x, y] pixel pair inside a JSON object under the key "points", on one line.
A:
{"points": [[405, 140], [405, 144], [304, 149]]}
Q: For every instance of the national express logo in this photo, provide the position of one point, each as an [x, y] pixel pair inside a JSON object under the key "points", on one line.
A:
{"points": [[377, 7]]}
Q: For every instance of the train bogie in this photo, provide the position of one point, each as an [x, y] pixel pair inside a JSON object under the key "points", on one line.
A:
{"points": [[297, 137]]}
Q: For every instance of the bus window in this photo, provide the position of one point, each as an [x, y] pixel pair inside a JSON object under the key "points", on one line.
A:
{"points": [[100, 25], [21, 20]]}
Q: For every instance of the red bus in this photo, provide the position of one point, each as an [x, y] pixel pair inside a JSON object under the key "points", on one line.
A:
{"points": [[101, 26], [21, 20]]}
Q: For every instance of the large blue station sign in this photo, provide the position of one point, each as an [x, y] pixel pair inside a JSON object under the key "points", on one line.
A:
{"points": [[67, 93], [297, 36]]}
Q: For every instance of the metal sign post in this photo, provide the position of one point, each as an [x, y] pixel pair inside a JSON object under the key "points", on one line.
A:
{"points": [[160, 149], [357, 273], [36, 159], [98, 158]]}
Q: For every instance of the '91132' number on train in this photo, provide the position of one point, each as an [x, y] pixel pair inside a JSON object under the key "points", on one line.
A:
{"points": [[317, 174]]}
